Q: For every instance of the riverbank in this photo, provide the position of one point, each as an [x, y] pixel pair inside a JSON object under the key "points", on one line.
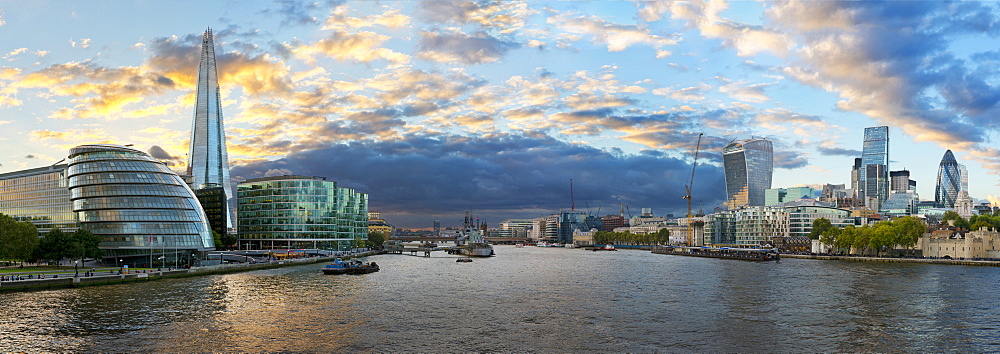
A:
{"points": [[896, 260], [148, 275]]}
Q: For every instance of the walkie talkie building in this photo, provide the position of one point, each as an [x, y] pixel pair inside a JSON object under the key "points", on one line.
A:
{"points": [[749, 165]]}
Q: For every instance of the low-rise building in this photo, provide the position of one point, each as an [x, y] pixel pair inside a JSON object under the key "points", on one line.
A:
{"points": [[972, 245]]}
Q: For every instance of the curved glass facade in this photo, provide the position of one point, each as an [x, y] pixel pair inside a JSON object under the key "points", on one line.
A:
{"points": [[137, 205], [748, 166], [949, 181], [299, 212]]}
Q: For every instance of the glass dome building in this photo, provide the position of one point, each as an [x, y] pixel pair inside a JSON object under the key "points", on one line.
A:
{"points": [[139, 207]]}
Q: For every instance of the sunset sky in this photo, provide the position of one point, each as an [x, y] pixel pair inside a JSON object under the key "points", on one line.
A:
{"points": [[437, 107]]}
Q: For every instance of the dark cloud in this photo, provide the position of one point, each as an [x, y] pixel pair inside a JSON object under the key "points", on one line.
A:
{"points": [[158, 153], [293, 12], [789, 159], [462, 48], [838, 152], [416, 180]]}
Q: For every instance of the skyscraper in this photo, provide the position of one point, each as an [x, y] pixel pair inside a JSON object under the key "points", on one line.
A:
{"points": [[208, 160], [949, 181], [748, 166], [875, 166]]}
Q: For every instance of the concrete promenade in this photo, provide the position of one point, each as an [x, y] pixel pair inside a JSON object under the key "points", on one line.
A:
{"points": [[965, 262], [104, 278]]}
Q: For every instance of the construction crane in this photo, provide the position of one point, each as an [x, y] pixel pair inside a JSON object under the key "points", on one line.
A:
{"points": [[688, 188]]}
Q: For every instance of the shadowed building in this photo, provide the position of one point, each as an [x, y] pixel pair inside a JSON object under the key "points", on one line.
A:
{"points": [[949, 181], [748, 167], [875, 167]]}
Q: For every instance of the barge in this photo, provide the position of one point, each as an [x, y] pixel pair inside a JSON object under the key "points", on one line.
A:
{"points": [[744, 254]]}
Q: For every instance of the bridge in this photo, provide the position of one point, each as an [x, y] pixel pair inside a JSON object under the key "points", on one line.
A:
{"points": [[494, 240]]}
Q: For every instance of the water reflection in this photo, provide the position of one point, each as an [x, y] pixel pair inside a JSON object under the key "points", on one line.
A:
{"points": [[528, 299]]}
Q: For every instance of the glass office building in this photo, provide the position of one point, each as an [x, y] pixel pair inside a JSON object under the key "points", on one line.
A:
{"points": [[748, 167], [296, 212], [208, 160], [875, 165], [141, 210], [40, 196], [949, 181]]}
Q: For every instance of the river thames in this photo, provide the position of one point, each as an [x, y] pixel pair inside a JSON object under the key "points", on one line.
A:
{"points": [[527, 300]]}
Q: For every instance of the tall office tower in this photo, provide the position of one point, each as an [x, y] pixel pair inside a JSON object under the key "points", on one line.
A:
{"points": [[964, 172], [856, 184], [949, 181], [208, 161], [748, 166], [875, 166], [900, 181]]}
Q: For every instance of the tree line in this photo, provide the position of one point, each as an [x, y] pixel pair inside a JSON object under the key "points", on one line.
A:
{"points": [[661, 237], [20, 241], [875, 238]]}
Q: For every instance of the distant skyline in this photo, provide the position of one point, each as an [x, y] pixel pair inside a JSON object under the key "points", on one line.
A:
{"points": [[437, 107]]}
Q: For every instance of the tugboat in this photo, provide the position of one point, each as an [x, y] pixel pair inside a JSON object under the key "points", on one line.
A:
{"points": [[355, 267]]}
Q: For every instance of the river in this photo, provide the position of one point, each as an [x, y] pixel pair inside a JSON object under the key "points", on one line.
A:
{"points": [[526, 300]]}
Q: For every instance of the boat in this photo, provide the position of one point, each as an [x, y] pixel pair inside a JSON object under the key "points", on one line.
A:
{"points": [[744, 254], [607, 247], [355, 267], [476, 245], [464, 260], [519, 245]]}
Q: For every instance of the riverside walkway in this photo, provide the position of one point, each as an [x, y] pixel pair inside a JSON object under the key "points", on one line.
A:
{"points": [[102, 276], [965, 262]]}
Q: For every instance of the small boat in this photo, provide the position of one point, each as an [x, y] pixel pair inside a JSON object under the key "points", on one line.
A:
{"points": [[464, 260], [355, 267], [607, 247]]}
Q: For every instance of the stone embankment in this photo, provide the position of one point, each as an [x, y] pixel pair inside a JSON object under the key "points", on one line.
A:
{"points": [[897, 260], [147, 275]]}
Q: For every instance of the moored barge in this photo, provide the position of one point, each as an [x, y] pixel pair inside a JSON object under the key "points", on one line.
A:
{"points": [[744, 254]]}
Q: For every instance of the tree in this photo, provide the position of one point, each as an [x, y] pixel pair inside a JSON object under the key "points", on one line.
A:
{"points": [[963, 224], [846, 237], [820, 226], [662, 237], [948, 216], [829, 236], [55, 245], [216, 239], [375, 240], [908, 231], [981, 225], [85, 244], [229, 240], [18, 240]]}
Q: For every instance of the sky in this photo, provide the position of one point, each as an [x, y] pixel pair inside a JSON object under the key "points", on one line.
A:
{"points": [[438, 107]]}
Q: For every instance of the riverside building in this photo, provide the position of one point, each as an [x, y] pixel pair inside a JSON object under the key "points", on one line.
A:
{"points": [[748, 165], [141, 210], [286, 212]]}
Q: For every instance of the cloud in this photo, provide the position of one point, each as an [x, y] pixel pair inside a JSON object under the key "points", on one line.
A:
{"points": [[496, 17], [836, 151], [705, 16], [460, 48], [360, 47], [160, 154], [495, 175], [294, 12], [616, 37]]}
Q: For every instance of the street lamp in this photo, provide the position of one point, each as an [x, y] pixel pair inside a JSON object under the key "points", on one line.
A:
{"points": [[76, 268]]}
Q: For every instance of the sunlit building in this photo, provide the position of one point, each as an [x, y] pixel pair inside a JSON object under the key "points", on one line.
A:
{"points": [[748, 167], [208, 160], [38, 195], [286, 212], [137, 206], [749, 226]]}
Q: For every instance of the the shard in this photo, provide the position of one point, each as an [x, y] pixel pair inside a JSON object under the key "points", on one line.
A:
{"points": [[208, 160]]}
